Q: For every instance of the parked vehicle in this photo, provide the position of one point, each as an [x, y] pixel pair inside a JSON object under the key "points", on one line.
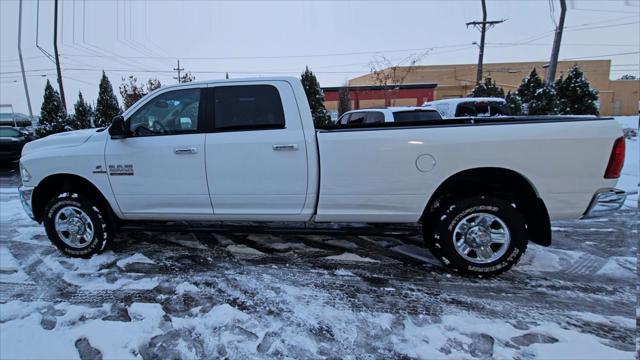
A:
{"points": [[392, 114], [247, 150], [463, 107], [12, 140]]}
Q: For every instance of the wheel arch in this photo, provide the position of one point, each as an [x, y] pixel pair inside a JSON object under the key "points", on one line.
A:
{"points": [[503, 183], [64, 182]]}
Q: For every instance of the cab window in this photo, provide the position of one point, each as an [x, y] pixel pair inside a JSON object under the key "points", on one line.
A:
{"points": [[374, 117], [173, 112], [357, 118]]}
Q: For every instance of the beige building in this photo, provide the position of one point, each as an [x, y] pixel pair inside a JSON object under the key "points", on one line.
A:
{"points": [[617, 97]]}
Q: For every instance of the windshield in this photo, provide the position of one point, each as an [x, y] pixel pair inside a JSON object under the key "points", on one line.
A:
{"points": [[418, 115]]}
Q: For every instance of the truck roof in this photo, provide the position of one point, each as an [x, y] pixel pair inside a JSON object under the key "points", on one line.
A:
{"points": [[235, 80]]}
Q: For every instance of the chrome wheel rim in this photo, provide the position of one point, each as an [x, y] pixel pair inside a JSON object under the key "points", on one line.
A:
{"points": [[481, 238], [74, 227]]}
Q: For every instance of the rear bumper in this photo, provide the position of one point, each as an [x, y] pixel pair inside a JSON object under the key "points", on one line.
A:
{"points": [[605, 201], [26, 193]]}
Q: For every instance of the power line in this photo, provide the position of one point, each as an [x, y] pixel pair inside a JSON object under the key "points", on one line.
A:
{"points": [[607, 11], [277, 56], [579, 28], [603, 55]]}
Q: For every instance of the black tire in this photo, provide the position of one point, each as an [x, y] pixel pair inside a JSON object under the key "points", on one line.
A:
{"points": [[103, 231], [439, 233], [429, 222]]}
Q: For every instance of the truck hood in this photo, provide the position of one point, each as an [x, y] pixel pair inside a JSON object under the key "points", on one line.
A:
{"points": [[65, 139]]}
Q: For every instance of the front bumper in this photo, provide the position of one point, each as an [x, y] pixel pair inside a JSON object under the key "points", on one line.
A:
{"points": [[605, 201], [26, 192]]}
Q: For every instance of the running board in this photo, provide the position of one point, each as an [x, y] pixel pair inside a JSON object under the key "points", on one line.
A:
{"points": [[306, 229]]}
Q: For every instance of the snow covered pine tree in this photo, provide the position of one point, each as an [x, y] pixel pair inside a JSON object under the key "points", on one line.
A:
{"points": [[52, 114], [575, 94], [107, 105], [487, 89], [315, 97], [537, 98], [82, 115]]}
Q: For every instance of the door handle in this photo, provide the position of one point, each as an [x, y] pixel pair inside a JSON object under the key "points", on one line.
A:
{"points": [[185, 150], [285, 147]]}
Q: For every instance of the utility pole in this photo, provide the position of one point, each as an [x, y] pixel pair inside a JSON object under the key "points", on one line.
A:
{"points": [[55, 49], [555, 52], [24, 77], [178, 69], [483, 25]]}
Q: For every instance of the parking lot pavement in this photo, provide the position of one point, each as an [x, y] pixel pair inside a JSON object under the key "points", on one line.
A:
{"points": [[164, 295]]}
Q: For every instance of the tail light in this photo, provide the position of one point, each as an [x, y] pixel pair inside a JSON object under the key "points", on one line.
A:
{"points": [[616, 161]]}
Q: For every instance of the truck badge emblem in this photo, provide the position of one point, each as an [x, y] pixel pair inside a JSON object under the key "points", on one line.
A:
{"points": [[99, 170], [121, 170]]}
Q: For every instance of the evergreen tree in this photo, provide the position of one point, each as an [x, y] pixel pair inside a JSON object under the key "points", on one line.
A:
{"points": [[537, 98], [544, 102], [52, 114], [187, 77], [575, 95], [487, 89], [131, 91], [153, 84], [83, 113], [628, 77], [315, 97], [529, 86], [107, 104], [344, 100], [514, 103]]}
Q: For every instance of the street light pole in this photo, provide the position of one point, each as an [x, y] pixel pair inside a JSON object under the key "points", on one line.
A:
{"points": [[553, 63], [57, 57], [24, 77]]}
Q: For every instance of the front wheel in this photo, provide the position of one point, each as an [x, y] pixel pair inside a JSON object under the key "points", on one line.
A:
{"points": [[77, 225], [481, 236]]}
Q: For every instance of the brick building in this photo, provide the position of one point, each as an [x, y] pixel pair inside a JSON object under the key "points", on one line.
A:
{"points": [[617, 97]]}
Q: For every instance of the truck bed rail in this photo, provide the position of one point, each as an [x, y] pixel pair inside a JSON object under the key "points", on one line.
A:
{"points": [[464, 121]]}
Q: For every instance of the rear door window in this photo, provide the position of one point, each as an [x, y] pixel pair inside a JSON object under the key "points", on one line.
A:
{"points": [[357, 118], [248, 107], [344, 119], [374, 117], [411, 116]]}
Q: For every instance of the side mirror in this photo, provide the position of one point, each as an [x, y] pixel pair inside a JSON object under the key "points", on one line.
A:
{"points": [[118, 130]]}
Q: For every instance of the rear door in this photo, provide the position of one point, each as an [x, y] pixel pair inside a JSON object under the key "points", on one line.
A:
{"points": [[159, 168], [256, 158]]}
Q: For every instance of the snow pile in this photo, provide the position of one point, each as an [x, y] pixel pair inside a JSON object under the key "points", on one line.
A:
{"points": [[63, 337], [350, 257]]}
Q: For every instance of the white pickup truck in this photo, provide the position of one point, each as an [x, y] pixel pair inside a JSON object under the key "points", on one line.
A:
{"points": [[247, 150]]}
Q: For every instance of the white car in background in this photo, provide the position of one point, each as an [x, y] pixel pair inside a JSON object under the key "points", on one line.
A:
{"points": [[465, 107], [389, 115]]}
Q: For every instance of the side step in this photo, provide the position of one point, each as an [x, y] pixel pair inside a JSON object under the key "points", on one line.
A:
{"points": [[279, 228]]}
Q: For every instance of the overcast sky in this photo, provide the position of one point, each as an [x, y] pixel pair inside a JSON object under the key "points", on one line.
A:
{"points": [[338, 40]]}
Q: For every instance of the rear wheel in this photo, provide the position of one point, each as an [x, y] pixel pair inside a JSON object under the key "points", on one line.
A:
{"points": [[477, 236], [76, 225]]}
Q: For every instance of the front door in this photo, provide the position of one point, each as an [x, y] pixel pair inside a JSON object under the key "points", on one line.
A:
{"points": [[160, 169]]}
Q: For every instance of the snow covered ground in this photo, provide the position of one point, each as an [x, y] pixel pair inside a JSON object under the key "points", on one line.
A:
{"points": [[185, 295]]}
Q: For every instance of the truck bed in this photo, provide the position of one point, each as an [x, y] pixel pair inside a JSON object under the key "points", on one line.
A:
{"points": [[370, 173]]}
